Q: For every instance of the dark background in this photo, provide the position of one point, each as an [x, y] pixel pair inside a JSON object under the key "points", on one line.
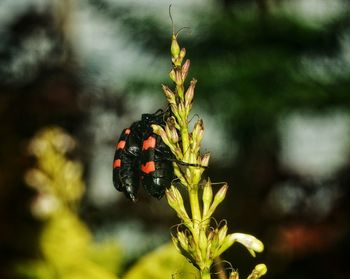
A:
{"points": [[273, 91]]}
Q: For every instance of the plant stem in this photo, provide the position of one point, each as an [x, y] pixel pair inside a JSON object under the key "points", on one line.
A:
{"points": [[185, 142], [205, 274], [195, 207]]}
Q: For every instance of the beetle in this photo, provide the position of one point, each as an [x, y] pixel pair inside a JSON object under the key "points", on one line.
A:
{"points": [[142, 158], [156, 166]]}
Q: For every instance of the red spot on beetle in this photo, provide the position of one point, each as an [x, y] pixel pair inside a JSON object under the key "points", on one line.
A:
{"points": [[148, 167], [121, 144], [127, 131], [149, 143], [117, 163]]}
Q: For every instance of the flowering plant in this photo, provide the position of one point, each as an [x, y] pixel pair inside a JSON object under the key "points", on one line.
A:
{"points": [[195, 238]]}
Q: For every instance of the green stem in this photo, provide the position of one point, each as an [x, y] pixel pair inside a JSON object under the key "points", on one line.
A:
{"points": [[195, 207], [185, 142], [205, 274]]}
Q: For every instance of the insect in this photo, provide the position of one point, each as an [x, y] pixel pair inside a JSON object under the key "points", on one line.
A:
{"points": [[142, 158]]}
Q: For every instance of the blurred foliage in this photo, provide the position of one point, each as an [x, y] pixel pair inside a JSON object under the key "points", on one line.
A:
{"points": [[66, 246], [164, 262]]}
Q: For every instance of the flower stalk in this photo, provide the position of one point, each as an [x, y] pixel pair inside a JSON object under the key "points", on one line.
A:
{"points": [[196, 240]]}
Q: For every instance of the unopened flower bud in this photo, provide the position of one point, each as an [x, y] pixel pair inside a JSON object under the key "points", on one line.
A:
{"points": [[183, 240], [175, 48], [168, 132], [172, 75], [174, 135], [210, 236], [205, 160], [171, 199], [176, 202], [258, 271], [226, 243], [178, 77], [234, 275], [176, 244], [190, 92], [198, 132], [174, 110], [173, 123], [215, 241], [182, 53], [159, 131], [207, 197], [169, 94], [185, 68], [222, 233], [179, 174], [220, 195]]}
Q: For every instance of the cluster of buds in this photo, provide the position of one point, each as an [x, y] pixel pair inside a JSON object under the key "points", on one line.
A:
{"points": [[195, 238], [57, 179], [210, 242]]}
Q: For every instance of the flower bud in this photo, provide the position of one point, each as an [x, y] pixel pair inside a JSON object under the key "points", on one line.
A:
{"points": [[190, 92], [215, 245], [226, 243], [234, 275], [185, 68], [205, 159], [174, 110], [157, 129], [183, 240], [169, 94], [176, 244], [176, 202], [171, 121], [198, 132], [207, 197], [172, 75], [182, 53], [220, 195], [210, 235], [179, 174], [175, 48], [258, 271], [178, 77], [168, 132], [174, 135], [171, 199], [222, 233]]}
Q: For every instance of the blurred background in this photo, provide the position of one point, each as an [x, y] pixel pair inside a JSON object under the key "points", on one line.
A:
{"points": [[273, 90]]}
